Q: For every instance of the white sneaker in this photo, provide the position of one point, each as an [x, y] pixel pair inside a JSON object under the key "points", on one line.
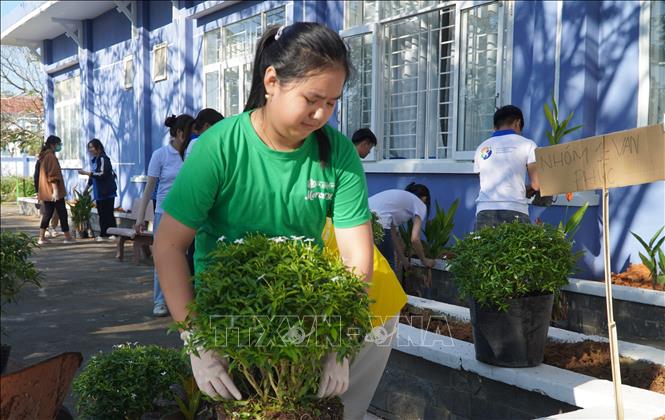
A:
{"points": [[112, 238], [43, 241], [160, 310], [52, 232], [100, 239], [69, 241]]}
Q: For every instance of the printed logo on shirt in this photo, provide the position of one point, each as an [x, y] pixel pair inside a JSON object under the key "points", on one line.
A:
{"points": [[485, 152], [319, 190]]}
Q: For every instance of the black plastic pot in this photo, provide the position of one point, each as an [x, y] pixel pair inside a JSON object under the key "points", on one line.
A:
{"points": [[516, 337], [4, 356]]}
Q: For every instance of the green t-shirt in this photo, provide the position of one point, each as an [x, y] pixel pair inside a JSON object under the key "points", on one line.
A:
{"points": [[232, 184]]}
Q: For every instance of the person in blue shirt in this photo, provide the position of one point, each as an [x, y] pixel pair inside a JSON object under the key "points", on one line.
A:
{"points": [[104, 187]]}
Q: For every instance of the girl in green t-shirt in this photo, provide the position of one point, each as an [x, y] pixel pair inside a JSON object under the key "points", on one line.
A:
{"points": [[275, 169]]}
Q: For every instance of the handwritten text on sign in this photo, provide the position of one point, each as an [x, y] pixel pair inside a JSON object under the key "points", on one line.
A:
{"points": [[613, 160]]}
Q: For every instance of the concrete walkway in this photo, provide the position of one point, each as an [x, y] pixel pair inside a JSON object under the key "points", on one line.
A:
{"points": [[88, 302]]}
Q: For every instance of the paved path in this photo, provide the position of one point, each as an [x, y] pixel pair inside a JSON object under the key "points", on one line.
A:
{"points": [[88, 302]]}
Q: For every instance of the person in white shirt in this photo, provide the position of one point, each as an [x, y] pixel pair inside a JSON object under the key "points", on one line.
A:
{"points": [[164, 166], [502, 161], [396, 207]]}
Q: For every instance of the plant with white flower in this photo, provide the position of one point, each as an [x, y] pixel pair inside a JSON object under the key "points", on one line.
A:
{"points": [[138, 375], [301, 298]]}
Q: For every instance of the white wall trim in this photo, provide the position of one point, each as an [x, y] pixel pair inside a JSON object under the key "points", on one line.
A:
{"points": [[418, 166], [643, 65]]}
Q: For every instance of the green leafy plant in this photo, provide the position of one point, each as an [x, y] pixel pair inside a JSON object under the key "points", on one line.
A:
{"points": [[124, 383], [496, 264], [558, 129], [571, 226], [654, 258], [377, 230], [17, 269], [438, 229], [81, 208], [276, 307]]}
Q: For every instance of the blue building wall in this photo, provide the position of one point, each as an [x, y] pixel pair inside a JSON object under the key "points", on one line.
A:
{"points": [[598, 80]]}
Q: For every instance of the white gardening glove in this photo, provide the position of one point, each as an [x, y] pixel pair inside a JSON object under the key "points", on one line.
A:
{"points": [[335, 376], [209, 370]]}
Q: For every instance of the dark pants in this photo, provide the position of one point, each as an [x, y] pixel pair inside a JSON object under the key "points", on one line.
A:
{"points": [[496, 217], [49, 208], [106, 217], [387, 248]]}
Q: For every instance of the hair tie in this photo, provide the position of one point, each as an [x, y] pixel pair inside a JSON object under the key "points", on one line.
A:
{"points": [[279, 32]]}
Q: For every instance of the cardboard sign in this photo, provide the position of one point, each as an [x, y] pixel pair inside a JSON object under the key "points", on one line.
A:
{"points": [[612, 160]]}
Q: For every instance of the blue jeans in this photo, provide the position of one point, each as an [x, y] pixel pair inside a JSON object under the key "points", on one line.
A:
{"points": [[493, 218], [158, 296]]}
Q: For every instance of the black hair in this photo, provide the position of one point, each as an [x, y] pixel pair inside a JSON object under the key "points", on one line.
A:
{"points": [[184, 123], [296, 51], [419, 190], [50, 140], [363, 134], [97, 144], [206, 116], [507, 115]]}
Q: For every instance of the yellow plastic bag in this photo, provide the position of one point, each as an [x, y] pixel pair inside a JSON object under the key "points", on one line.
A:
{"points": [[385, 291]]}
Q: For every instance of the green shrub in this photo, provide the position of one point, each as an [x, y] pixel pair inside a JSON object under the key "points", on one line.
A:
{"points": [[512, 260], [276, 307], [125, 383], [17, 269], [13, 187]]}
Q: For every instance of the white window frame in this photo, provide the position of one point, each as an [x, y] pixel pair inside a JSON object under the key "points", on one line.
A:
{"points": [[458, 161], [128, 61], [155, 50], [58, 106], [221, 66]]}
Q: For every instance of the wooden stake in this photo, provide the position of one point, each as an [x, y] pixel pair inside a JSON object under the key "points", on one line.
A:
{"points": [[611, 325]]}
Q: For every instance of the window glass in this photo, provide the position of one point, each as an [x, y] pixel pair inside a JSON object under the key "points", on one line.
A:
{"points": [[357, 99], [478, 74], [212, 89], [417, 76], [67, 122]]}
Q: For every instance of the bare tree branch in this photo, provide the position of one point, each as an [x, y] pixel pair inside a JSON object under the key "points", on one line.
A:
{"points": [[21, 76]]}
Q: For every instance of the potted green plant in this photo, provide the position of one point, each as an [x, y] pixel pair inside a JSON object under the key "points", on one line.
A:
{"points": [[510, 274], [129, 381], [17, 271], [275, 307], [81, 208]]}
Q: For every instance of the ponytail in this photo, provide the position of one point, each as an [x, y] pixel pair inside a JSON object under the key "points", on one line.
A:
{"points": [[184, 123]]}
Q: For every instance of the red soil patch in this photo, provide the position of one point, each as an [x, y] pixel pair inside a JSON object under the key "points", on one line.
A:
{"points": [[587, 357], [637, 275]]}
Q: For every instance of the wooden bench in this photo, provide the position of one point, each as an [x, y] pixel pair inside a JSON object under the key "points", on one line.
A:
{"points": [[141, 242]]}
